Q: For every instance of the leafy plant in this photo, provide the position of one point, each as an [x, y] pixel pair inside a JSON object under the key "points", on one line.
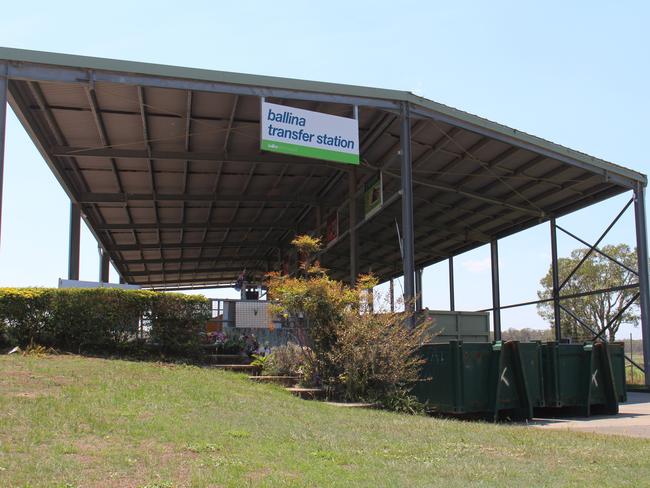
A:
{"points": [[286, 360], [232, 344], [375, 355], [400, 400], [259, 360], [353, 353]]}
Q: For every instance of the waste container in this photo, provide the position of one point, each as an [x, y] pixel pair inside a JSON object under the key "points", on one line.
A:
{"points": [[496, 380], [582, 376], [617, 356]]}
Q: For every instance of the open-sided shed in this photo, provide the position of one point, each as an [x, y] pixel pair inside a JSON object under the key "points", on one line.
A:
{"points": [[164, 164]]}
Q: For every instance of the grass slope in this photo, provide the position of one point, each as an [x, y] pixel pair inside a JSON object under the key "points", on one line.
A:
{"points": [[73, 421]]}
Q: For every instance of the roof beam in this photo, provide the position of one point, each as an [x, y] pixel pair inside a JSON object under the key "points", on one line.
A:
{"points": [[91, 95], [91, 197], [119, 153], [192, 271], [531, 143], [150, 114], [231, 261], [57, 133], [263, 86], [190, 245], [186, 225], [145, 138], [470, 194]]}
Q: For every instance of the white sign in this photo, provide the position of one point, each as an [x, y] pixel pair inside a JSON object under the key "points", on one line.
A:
{"points": [[299, 132]]}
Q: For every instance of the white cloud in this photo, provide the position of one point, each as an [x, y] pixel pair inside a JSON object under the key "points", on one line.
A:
{"points": [[476, 265]]}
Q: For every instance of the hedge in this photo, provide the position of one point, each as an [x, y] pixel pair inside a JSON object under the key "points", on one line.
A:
{"points": [[104, 320]]}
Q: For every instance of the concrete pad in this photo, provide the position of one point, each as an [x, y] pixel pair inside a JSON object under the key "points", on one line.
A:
{"points": [[633, 419]]}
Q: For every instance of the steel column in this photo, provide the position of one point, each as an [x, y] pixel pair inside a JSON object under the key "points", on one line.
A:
{"points": [[418, 289], [74, 243], [391, 294], [452, 292], [354, 243], [556, 282], [644, 286], [408, 246], [496, 297], [104, 264], [3, 124]]}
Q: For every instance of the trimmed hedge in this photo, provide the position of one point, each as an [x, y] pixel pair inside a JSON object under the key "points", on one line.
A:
{"points": [[104, 320]]}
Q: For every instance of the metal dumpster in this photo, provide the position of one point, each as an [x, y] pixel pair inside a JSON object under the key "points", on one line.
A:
{"points": [[494, 380], [617, 356], [582, 377], [457, 326]]}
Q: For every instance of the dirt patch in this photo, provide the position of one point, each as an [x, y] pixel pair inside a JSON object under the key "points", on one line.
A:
{"points": [[258, 474], [31, 394]]}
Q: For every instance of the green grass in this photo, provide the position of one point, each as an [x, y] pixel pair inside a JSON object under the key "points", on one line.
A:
{"points": [[634, 376], [73, 421]]}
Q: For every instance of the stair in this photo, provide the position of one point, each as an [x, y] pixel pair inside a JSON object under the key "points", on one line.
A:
{"points": [[237, 368], [276, 380], [227, 359]]}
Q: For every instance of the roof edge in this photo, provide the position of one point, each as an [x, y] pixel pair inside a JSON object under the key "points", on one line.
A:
{"points": [[169, 71]]}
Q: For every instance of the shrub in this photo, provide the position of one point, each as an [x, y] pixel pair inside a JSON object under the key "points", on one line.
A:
{"points": [[285, 360], [355, 354], [25, 314], [177, 321], [376, 357], [103, 319]]}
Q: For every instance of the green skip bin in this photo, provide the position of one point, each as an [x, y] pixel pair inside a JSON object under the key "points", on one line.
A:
{"points": [[587, 378], [516, 380], [500, 380]]}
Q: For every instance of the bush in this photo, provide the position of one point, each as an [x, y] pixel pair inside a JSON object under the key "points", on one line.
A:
{"points": [[177, 322], [355, 354], [285, 361], [376, 357], [104, 320]]}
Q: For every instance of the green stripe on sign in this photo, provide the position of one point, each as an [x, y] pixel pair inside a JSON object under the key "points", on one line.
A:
{"points": [[310, 152]]}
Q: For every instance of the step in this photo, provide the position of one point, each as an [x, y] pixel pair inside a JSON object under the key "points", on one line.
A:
{"points": [[307, 393], [238, 368], [227, 359], [276, 380], [351, 405]]}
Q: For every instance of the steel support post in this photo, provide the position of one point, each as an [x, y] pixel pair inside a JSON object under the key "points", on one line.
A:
{"points": [[418, 289], [452, 291], [496, 297], [75, 237], [391, 294], [644, 286], [556, 282], [104, 264], [3, 124], [354, 244], [408, 246]]}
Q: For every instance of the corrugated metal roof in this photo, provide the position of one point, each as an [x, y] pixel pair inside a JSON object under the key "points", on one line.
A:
{"points": [[173, 184]]}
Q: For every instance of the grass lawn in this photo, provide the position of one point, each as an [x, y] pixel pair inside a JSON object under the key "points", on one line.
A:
{"points": [[73, 421], [633, 375]]}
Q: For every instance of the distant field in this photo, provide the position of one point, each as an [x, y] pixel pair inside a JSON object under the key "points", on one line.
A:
{"points": [[73, 421], [634, 376]]}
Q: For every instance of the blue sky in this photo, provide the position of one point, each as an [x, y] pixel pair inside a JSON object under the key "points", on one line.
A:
{"points": [[574, 73]]}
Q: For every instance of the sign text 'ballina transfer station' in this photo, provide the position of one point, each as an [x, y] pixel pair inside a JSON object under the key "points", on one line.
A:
{"points": [[299, 132]]}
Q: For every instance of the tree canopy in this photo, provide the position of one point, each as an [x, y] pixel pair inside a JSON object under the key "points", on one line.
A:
{"points": [[596, 311]]}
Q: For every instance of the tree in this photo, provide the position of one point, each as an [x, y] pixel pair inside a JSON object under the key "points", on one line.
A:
{"points": [[597, 311], [527, 335]]}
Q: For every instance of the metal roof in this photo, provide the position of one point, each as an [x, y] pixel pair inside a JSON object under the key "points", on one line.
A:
{"points": [[165, 164]]}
